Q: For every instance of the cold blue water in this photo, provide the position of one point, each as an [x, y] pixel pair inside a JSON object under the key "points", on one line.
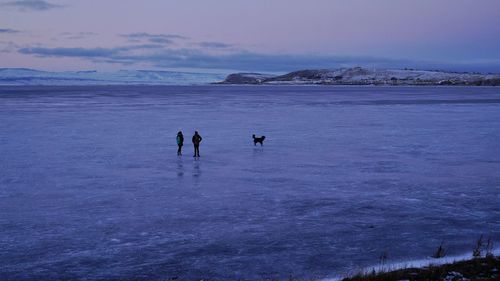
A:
{"points": [[91, 187]]}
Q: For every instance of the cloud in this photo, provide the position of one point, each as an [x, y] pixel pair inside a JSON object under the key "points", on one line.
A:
{"points": [[33, 5], [153, 38], [214, 45], [8, 47], [8, 30], [248, 61], [84, 52], [69, 52], [77, 35], [157, 55]]}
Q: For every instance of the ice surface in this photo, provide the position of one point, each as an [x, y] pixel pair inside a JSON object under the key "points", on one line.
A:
{"points": [[91, 187]]}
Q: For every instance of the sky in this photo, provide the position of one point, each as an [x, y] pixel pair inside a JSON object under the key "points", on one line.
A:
{"points": [[257, 35]]}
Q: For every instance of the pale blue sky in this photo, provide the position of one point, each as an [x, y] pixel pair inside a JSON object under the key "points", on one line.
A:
{"points": [[258, 35]]}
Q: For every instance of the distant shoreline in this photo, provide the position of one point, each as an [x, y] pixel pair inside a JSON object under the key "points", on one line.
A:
{"points": [[356, 76], [243, 85], [359, 76]]}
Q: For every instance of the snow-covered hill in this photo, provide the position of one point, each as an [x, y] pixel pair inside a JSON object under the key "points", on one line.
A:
{"points": [[23, 76], [364, 76]]}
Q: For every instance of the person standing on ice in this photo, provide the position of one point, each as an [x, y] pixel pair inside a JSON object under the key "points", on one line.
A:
{"points": [[196, 142], [180, 143]]}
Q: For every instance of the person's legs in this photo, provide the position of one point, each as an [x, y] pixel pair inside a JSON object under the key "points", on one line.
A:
{"points": [[179, 150], [195, 150]]}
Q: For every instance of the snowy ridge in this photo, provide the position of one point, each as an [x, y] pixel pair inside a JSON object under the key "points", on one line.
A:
{"points": [[247, 78], [364, 76], [23, 76]]}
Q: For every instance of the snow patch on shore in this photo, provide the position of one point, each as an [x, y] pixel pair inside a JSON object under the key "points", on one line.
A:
{"points": [[420, 263]]}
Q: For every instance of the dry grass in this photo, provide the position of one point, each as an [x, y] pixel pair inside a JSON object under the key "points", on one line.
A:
{"points": [[487, 268]]}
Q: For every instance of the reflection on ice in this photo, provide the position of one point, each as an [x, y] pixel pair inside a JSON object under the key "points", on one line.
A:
{"points": [[180, 168], [196, 168]]}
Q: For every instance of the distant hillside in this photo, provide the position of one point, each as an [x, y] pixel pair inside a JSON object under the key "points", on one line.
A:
{"points": [[23, 76], [364, 76], [342, 76]]}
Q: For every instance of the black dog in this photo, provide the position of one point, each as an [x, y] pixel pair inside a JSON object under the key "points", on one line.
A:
{"points": [[258, 140]]}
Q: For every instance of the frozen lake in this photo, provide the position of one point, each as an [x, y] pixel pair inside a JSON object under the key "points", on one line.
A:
{"points": [[91, 187]]}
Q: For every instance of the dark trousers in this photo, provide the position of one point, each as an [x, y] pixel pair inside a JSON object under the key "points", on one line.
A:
{"points": [[197, 150], [179, 150]]}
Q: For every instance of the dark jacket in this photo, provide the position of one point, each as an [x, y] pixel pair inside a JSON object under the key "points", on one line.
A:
{"points": [[196, 139], [180, 139]]}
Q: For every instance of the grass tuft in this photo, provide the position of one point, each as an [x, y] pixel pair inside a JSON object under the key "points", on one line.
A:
{"points": [[440, 253], [479, 245]]}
